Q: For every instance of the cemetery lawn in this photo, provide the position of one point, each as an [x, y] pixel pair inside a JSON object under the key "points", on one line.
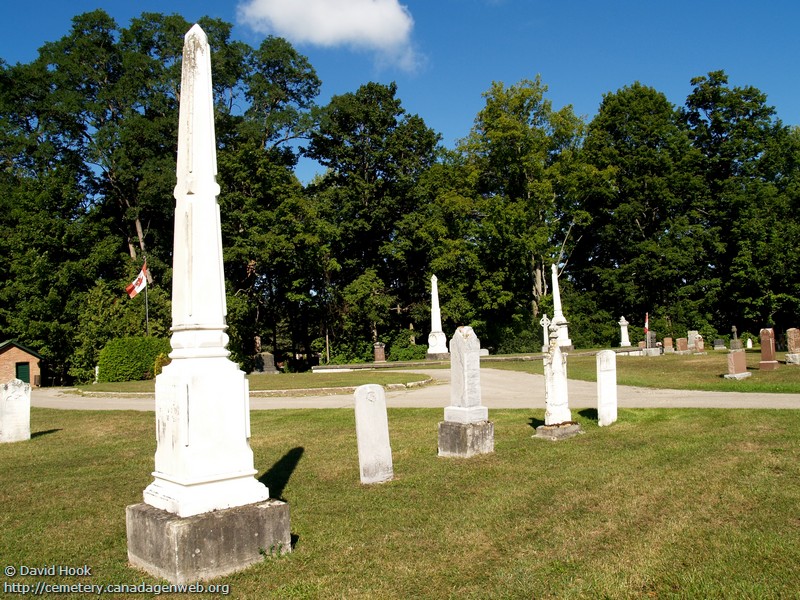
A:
{"points": [[667, 503], [674, 371], [283, 381]]}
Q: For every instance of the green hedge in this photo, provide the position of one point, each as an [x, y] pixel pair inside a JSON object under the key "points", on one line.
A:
{"points": [[131, 358]]}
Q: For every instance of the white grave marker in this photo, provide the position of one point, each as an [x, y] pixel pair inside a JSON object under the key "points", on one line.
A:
{"points": [[15, 411], [606, 387], [372, 434]]}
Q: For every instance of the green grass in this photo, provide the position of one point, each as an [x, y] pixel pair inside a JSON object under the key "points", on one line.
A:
{"points": [[674, 371], [283, 381], [664, 503]]}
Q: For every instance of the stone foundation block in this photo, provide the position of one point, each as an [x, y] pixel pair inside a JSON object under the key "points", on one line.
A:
{"points": [[466, 439], [559, 431], [737, 375], [793, 359], [205, 546], [768, 365], [438, 356]]}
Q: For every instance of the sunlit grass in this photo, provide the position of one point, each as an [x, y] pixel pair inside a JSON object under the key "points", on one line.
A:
{"points": [[664, 503]]}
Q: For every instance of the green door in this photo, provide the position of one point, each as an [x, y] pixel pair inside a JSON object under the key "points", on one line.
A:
{"points": [[24, 372]]}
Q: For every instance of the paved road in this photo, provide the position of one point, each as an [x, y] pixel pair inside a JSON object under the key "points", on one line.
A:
{"points": [[499, 389]]}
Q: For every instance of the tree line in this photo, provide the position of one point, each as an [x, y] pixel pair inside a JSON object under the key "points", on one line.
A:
{"points": [[688, 213]]}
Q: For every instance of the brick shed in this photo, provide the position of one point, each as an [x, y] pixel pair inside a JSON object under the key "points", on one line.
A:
{"points": [[19, 362]]}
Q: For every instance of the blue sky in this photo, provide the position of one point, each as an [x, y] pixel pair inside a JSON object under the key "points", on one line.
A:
{"points": [[444, 54]]}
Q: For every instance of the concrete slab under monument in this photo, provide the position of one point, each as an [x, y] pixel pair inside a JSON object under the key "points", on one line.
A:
{"points": [[205, 546], [464, 440], [559, 431]]}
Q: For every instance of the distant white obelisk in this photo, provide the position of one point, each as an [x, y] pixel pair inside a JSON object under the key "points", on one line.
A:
{"points": [[558, 315], [437, 340], [204, 514]]}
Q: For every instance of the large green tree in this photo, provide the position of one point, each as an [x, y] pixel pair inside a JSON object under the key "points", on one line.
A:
{"points": [[750, 170], [375, 154], [647, 247], [524, 160]]}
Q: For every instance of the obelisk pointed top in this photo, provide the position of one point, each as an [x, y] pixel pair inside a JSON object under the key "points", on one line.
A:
{"points": [[196, 31], [197, 153], [198, 282]]}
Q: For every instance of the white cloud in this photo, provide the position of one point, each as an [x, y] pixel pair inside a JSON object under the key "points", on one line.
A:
{"points": [[381, 26]]}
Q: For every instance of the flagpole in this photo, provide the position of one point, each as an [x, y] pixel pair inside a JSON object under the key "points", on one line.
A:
{"points": [[146, 301], [146, 311]]}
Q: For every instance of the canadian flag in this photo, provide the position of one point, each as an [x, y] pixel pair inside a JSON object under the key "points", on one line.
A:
{"points": [[646, 322], [139, 283]]}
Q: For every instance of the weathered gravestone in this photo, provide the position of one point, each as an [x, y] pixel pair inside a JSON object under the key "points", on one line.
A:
{"points": [[379, 349], [265, 363], [736, 343], [372, 434], [699, 345], [606, 387], [768, 362], [737, 365], [651, 345], [437, 340], [692, 337], [624, 341], [466, 429], [793, 346], [749, 344], [669, 348], [683, 346], [205, 514], [558, 422], [15, 411], [719, 344]]}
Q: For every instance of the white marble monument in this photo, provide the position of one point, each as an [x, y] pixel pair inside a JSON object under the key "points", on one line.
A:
{"points": [[437, 340], [15, 411], [466, 429], [372, 434], [558, 314], [203, 462], [624, 339], [558, 422], [606, 387]]}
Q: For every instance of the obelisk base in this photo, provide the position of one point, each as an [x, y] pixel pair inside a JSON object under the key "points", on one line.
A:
{"points": [[465, 439], [205, 546], [559, 431]]}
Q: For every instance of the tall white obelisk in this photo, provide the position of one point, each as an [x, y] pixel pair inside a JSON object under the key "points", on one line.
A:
{"points": [[204, 515], [203, 460], [437, 340], [558, 315]]}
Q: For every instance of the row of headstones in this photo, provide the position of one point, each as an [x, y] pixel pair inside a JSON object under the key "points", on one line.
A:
{"points": [[466, 430]]}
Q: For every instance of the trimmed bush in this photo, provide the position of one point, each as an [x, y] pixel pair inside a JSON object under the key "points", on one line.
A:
{"points": [[131, 358], [401, 348]]}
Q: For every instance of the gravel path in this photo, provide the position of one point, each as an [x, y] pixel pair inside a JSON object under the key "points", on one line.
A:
{"points": [[499, 389]]}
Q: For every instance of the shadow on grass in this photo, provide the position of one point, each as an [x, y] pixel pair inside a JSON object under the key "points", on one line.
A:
{"points": [[278, 476], [534, 423], [46, 432], [589, 413]]}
